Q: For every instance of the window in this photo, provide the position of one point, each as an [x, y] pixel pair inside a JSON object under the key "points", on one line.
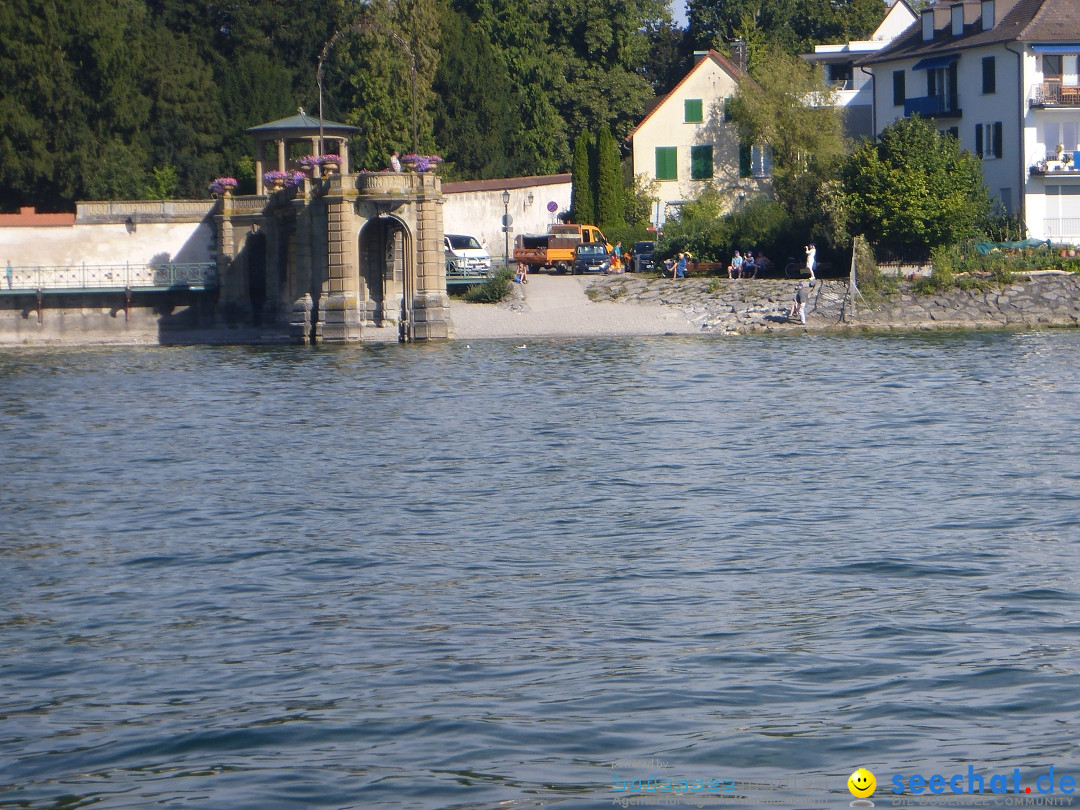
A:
{"points": [[942, 82], [989, 75], [667, 166], [727, 108], [755, 161], [988, 141], [761, 161], [692, 113], [1052, 67], [701, 162], [899, 91]]}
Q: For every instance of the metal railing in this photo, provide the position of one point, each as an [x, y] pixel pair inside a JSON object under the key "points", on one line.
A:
{"points": [[1062, 228], [1052, 94], [192, 275]]}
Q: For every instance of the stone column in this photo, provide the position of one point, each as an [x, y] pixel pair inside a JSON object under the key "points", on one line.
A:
{"points": [[430, 304], [281, 154], [231, 296], [339, 306], [260, 146]]}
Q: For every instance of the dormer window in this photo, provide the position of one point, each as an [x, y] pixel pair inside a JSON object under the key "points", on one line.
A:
{"points": [[927, 24], [987, 15], [957, 19]]}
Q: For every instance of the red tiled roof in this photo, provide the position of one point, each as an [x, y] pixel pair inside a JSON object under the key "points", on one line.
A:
{"points": [[28, 216], [505, 183]]}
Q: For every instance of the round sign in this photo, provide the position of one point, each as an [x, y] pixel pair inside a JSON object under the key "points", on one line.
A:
{"points": [[508, 219], [553, 206]]}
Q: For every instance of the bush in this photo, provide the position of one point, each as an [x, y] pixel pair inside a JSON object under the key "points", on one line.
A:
{"points": [[492, 291]]}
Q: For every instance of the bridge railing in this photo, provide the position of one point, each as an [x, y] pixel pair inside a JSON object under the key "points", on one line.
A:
{"points": [[110, 276]]}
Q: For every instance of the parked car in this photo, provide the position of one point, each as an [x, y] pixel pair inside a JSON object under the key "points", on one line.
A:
{"points": [[642, 256], [591, 257], [465, 256]]}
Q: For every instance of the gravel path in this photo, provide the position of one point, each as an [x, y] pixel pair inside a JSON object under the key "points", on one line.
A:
{"points": [[557, 306]]}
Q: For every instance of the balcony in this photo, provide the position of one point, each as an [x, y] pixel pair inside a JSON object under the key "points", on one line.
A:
{"points": [[932, 107], [1054, 94], [1062, 228]]}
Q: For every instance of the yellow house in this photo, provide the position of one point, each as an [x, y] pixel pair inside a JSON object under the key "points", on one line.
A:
{"points": [[685, 143]]}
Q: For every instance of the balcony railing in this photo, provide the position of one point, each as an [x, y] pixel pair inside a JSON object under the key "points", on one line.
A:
{"points": [[1054, 94], [931, 107], [192, 276], [1063, 228]]}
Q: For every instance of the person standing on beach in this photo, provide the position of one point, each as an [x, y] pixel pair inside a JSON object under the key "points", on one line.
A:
{"points": [[10, 274], [811, 261]]}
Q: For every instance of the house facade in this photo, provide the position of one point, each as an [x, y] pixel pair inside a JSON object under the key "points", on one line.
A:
{"points": [[1002, 77], [853, 90], [685, 143]]}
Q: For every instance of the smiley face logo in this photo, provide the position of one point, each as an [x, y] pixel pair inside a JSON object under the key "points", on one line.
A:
{"points": [[862, 783]]}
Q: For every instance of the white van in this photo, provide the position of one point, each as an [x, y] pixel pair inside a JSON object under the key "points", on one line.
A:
{"points": [[465, 256]]}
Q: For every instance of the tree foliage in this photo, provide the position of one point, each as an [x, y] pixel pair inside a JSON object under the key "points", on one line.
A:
{"points": [[610, 195], [792, 25], [913, 189], [789, 107], [582, 177]]}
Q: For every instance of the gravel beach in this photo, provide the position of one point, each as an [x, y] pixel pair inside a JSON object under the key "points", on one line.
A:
{"points": [[557, 306]]}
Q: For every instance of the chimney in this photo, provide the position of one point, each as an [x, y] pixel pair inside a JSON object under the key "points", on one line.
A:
{"points": [[738, 53], [957, 18], [927, 24], [987, 14]]}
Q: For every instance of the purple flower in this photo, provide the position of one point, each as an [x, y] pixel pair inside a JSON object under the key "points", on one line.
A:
{"points": [[222, 184], [330, 159]]}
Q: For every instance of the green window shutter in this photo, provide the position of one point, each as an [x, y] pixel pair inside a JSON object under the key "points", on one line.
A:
{"points": [[745, 160], [979, 140], [701, 162], [692, 112], [899, 88], [667, 163], [998, 151]]}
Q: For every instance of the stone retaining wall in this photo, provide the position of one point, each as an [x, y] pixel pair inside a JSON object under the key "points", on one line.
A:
{"points": [[761, 305]]}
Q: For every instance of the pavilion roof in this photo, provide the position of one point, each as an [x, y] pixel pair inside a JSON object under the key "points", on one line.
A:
{"points": [[301, 123]]}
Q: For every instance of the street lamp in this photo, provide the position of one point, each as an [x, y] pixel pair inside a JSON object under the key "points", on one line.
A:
{"points": [[506, 225]]}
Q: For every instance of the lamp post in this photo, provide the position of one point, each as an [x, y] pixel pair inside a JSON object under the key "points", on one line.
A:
{"points": [[361, 26], [506, 226]]}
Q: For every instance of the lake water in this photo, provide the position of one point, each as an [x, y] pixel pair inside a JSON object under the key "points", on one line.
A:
{"points": [[497, 577]]}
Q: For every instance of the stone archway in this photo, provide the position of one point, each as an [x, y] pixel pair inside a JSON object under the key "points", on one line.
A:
{"points": [[385, 246]]}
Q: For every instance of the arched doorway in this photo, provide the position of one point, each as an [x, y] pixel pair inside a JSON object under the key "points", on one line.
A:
{"points": [[384, 269]]}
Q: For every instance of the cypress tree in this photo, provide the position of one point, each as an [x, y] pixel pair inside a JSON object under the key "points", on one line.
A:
{"points": [[610, 201], [581, 194]]}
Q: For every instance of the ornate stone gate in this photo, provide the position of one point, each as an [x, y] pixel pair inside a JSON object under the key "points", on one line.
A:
{"points": [[337, 255]]}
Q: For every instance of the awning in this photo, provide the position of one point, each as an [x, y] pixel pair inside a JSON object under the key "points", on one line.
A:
{"points": [[1058, 47], [935, 62]]}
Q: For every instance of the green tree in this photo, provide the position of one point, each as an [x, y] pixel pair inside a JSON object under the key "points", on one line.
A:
{"points": [[793, 25], [474, 119], [582, 190], [912, 189], [610, 195], [788, 107]]}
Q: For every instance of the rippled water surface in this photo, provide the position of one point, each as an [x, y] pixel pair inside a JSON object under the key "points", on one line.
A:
{"points": [[486, 576]]}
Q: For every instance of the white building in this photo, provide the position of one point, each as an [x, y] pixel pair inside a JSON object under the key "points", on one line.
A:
{"points": [[853, 89], [1001, 76], [685, 142]]}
